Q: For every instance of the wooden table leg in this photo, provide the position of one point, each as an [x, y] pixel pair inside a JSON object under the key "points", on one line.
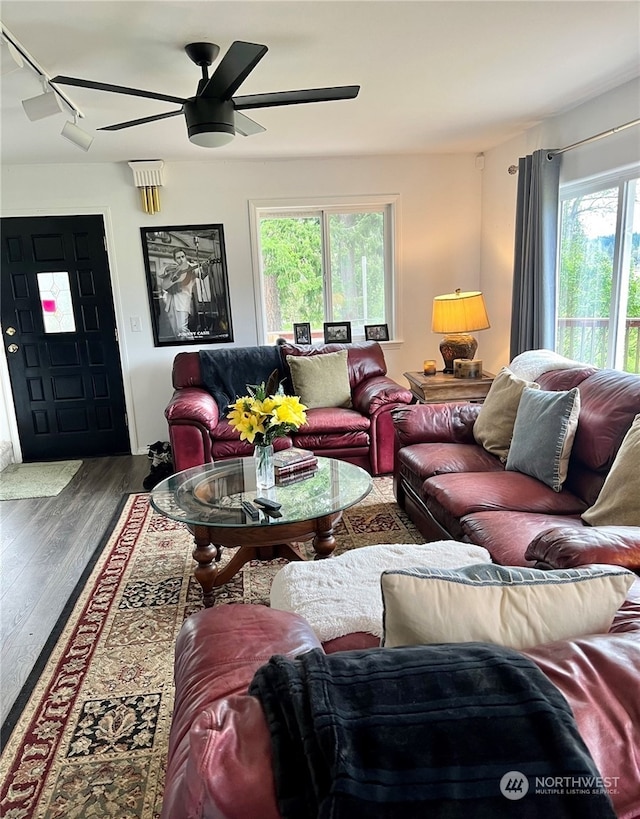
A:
{"points": [[206, 555], [324, 542]]}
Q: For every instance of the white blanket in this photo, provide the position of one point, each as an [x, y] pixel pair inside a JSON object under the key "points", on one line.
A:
{"points": [[341, 595], [533, 363]]}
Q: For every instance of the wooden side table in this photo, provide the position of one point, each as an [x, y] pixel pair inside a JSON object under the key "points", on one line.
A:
{"points": [[442, 388]]}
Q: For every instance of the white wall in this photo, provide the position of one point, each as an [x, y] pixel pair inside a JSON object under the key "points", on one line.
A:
{"points": [[619, 150], [438, 232]]}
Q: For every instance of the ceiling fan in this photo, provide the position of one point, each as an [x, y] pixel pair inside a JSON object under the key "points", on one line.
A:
{"points": [[213, 114]]}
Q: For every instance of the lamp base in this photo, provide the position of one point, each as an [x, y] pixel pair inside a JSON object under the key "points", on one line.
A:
{"points": [[457, 345]]}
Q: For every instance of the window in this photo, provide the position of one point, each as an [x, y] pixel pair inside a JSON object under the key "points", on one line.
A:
{"points": [[324, 263], [598, 302], [56, 302]]}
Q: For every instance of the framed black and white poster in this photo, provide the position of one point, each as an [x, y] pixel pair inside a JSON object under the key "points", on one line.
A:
{"points": [[188, 285]]}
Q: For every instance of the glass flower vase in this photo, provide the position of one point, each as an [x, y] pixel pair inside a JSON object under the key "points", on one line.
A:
{"points": [[263, 458]]}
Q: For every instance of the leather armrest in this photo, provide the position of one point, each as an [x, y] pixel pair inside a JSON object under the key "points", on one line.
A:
{"points": [[435, 423], [374, 394], [195, 405], [564, 547]]}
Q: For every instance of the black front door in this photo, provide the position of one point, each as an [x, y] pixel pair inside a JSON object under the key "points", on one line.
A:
{"points": [[60, 339]]}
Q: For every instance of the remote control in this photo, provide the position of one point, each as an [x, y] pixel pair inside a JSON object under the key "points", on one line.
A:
{"points": [[250, 510], [267, 504], [272, 513]]}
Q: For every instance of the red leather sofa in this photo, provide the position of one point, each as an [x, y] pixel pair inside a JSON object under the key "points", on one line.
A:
{"points": [[220, 762], [363, 434], [451, 488]]}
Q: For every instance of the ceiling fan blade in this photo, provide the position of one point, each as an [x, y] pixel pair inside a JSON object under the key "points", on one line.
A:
{"points": [[115, 89], [247, 126], [233, 70], [343, 92], [120, 125]]}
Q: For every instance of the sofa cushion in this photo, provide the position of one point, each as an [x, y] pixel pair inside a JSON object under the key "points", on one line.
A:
{"points": [[418, 462], [321, 380], [493, 428], [365, 358], [618, 503], [507, 535], [543, 434], [461, 493], [515, 607], [609, 401], [562, 546]]}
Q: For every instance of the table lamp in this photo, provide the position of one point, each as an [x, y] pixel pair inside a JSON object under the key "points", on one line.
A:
{"points": [[458, 314]]}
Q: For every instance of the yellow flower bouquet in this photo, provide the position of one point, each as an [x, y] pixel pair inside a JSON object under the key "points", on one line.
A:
{"points": [[261, 418]]}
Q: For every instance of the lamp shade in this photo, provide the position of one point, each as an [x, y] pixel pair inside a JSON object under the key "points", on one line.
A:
{"points": [[459, 313]]}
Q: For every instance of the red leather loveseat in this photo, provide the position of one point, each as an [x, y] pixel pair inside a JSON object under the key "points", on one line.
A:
{"points": [[452, 488], [361, 434], [220, 759]]}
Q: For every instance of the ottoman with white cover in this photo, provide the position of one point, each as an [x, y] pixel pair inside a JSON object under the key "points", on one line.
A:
{"points": [[341, 595]]}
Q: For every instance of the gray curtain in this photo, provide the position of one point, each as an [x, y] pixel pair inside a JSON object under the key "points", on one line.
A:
{"points": [[534, 276]]}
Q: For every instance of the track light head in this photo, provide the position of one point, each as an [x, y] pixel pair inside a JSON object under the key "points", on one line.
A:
{"points": [[44, 105], [75, 134], [10, 58]]}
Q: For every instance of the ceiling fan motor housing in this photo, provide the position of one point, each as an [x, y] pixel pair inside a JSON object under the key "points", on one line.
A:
{"points": [[208, 116]]}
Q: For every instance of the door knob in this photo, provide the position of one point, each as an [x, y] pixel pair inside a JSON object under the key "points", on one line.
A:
{"points": [[11, 331], [13, 348]]}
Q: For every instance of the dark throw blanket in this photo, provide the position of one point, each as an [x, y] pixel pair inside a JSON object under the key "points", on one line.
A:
{"points": [[226, 373], [423, 732]]}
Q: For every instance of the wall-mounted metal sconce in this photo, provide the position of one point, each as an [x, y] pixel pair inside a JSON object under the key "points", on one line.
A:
{"points": [[148, 176]]}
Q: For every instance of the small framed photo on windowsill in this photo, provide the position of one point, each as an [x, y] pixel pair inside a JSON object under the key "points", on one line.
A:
{"points": [[376, 332], [302, 333], [337, 331]]}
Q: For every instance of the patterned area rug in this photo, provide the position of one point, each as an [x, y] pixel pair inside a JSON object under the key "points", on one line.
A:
{"points": [[41, 480], [91, 740]]}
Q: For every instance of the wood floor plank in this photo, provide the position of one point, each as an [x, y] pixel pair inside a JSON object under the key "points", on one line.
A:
{"points": [[45, 544]]}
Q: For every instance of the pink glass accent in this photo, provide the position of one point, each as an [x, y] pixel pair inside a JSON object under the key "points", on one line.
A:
{"points": [[49, 305]]}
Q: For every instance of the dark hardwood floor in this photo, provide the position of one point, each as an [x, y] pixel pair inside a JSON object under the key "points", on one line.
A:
{"points": [[45, 543]]}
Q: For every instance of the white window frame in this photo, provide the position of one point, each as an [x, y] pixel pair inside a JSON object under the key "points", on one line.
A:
{"points": [[326, 206], [622, 248]]}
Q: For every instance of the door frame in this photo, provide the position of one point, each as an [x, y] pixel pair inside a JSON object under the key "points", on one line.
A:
{"points": [[5, 383]]}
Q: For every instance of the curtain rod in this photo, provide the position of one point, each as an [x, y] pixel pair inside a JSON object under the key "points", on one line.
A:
{"points": [[595, 137], [514, 168]]}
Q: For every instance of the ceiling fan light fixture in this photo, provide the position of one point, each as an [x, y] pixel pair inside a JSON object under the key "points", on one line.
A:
{"points": [[210, 123], [211, 139]]}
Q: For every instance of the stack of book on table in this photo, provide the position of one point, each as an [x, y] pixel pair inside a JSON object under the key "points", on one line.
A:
{"points": [[291, 465]]}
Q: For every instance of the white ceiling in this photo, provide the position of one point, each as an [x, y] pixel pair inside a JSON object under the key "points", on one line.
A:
{"points": [[451, 76]]}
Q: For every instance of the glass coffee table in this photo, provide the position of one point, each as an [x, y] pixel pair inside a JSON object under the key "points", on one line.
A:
{"points": [[208, 499]]}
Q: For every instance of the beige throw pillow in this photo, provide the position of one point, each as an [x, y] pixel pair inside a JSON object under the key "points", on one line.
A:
{"points": [[507, 605], [321, 380], [618, 503], [493, 428]]}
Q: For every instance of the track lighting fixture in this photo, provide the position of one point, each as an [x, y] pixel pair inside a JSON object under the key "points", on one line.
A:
{"points": [[44, 105], [75, 134], [11, 59], [52, 101]]}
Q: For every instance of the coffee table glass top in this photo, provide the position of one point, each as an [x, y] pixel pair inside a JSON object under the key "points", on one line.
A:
{"points": [[212, 494]]}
